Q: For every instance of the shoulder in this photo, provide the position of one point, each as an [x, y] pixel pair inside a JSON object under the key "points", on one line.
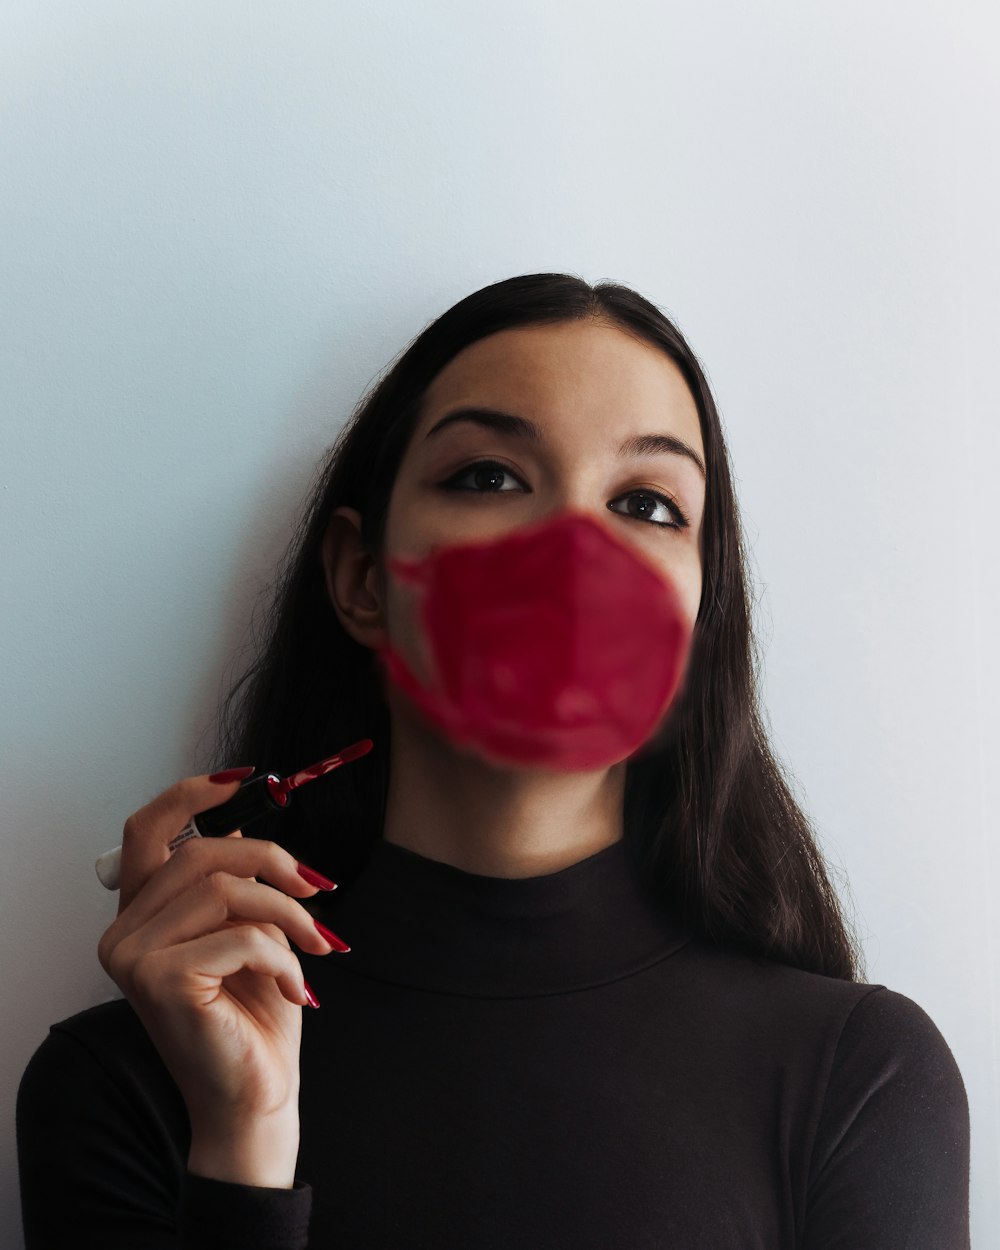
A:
{"points": [[857, 1031], [99, 1057], [890, 1048], [884, 1133], [774, 997], [106, 1035], [115, 1017], [890, 1021], [890, 1150]]}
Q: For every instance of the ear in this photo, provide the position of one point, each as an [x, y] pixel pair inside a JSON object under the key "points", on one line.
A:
{"points": [[353, 580]]}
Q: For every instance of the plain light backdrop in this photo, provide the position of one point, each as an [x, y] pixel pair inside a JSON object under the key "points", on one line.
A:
{"points": [[220, 221]]}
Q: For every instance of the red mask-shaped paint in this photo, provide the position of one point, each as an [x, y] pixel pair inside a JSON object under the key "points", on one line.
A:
{"points": [[556, 646]]}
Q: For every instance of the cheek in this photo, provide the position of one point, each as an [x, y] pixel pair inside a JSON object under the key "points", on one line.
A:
{"points": [[692, 598], [400, 603], [401, 619], [684, 575]]}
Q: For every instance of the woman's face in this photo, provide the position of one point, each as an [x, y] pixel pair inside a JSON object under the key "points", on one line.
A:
{"points": [[586, 389], [574, 393]]}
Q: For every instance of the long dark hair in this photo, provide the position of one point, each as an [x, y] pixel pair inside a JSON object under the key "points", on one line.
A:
{"points": [[721, 839]]}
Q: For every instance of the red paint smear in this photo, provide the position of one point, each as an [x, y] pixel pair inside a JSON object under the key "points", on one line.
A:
{"points": [[557, 645]]}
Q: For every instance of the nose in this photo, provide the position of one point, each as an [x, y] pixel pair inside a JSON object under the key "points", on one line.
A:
{"points": [[593, 515], [573, 503]]}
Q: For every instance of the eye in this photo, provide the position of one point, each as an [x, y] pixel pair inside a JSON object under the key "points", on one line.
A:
{"points": [[487, 470], [484, 470], [663, 501]]}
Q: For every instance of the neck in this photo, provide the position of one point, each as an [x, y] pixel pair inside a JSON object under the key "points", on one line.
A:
{"points": [[456, 808], [418, 922]]}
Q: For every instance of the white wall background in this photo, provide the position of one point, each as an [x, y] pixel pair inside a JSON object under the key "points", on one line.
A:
{"points": [[219, 221]]}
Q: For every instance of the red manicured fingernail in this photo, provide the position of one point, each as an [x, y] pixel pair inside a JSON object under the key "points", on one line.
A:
{"points": [[337, 943], [231, 774], [313, 1000], [316, 878]]}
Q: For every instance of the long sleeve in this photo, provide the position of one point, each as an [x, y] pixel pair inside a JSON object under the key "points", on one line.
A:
{"points": [[890, 1163], [102, 1159], [548, 1061]]}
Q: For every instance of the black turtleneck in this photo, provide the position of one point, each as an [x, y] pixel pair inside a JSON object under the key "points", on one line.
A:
{"points": [[528, 1063]]}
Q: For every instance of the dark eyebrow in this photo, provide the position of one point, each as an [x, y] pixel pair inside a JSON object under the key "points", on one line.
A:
{"points": [[521, 427]]}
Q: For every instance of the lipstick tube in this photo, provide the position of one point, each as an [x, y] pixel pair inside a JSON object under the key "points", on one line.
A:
{"points": [[255, 798], [252, 800]]}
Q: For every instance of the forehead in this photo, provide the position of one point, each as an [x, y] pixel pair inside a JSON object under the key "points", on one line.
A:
{"points": [[569, 374]]}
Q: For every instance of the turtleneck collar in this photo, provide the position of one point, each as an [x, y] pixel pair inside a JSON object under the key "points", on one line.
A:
{"points": [[416, 921]]}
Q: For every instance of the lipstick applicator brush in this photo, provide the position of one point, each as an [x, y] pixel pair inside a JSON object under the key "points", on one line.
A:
{"points": [[256, 797]]}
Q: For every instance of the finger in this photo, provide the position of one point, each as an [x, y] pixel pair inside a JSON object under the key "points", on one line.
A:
{"points": [[237, 833], [218, 899], [148, 830], [245, 858], [190, 975]]}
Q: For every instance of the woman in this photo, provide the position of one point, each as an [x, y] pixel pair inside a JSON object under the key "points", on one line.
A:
{"points": [[608, 1007]]}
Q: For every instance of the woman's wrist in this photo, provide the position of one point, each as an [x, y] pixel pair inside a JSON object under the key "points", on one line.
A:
{"points": [[259, 1152]]}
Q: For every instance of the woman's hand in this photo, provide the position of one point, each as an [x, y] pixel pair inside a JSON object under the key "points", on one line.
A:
{"points": [[200, 949]]}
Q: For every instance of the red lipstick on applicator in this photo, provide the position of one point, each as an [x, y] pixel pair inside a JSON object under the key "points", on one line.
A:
{"points": [[256, 797]]}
